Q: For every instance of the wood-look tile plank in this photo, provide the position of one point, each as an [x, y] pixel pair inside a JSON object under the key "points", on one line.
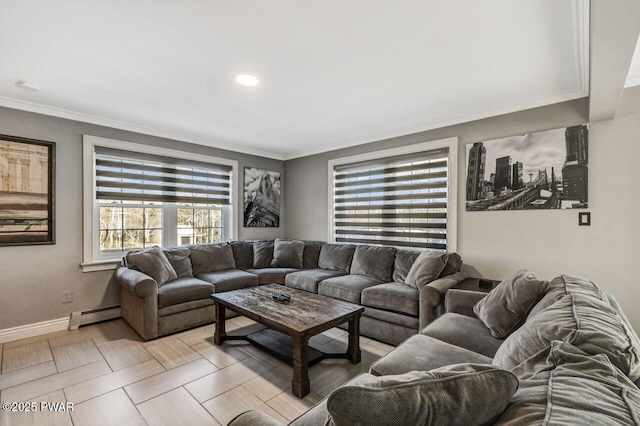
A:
{"points": [[112, 381], [180, 335], [270, 383], [334, 375], [290, 406], [34, 339], [221, 356], [25, 356], [114, 330], [227, 406], [168, 380], [241, 321], [48, 417], [76, 355], [260, 355], [55, 382], [113, 408], [27, 374], [173, 353], [124, 353], [75, 336], [175, 408], [226, 379]]}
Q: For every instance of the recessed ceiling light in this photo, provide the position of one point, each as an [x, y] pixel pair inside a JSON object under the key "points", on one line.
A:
{"points": [[27, 85], [247, 80]]}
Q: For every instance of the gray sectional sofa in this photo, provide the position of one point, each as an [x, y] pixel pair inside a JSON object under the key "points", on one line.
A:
{"points": [[157, 304], [568, 348]]}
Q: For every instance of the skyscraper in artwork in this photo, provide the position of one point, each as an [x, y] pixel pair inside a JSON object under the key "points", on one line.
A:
{"points": [[503, 174], [475, 172]]}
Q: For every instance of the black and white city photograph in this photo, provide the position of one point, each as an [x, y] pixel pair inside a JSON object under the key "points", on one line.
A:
{"points": [[261, 198], [542, 170]]}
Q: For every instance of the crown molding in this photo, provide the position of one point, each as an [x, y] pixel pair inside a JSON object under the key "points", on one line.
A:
{"points": [[130, 127]]}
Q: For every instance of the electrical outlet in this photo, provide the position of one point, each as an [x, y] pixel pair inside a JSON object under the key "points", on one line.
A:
{"points": [[67, 296]]}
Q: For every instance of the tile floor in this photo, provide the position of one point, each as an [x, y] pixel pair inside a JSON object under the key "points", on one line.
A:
{"points": [[114, 378]]}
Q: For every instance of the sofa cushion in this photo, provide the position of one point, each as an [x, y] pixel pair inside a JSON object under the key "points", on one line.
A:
{"points": [[373, 261], [308, 279], [262, 254], [242, 253], [461, 394], [466, 332], [230, 279], [180, 259], [506, 306], [427, 267], [392, 297], [336, 256], [211, 257], [347, 287], [311, 254], [152, 262], [453, 265], [564, 385], [584, 321], [272, 275], [563, 285], [183, 290], [424, 353], [402, 264], [287, 253]]}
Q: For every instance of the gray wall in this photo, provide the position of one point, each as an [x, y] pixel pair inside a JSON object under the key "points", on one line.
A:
{"points": [[32, 278], [548, 243]]}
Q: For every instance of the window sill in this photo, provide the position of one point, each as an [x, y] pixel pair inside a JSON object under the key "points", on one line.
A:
{"points": [[100, 265]]}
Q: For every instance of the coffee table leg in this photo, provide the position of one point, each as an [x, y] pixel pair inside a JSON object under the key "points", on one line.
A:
{"points": [[300, 386], [354, 341], [220, 333]]}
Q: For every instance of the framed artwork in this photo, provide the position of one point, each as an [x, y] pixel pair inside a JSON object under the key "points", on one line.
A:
{"points": [[261, 198], [27, 191], [535, 171]]}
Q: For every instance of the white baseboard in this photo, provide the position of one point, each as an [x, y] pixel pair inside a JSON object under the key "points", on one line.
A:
{"points": [[32, 330]]}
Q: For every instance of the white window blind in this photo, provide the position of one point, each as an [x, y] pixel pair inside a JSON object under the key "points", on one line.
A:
{"points": [[397, 201]]}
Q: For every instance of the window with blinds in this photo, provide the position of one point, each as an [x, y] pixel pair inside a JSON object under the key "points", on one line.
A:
{"points": [[396, 201]]}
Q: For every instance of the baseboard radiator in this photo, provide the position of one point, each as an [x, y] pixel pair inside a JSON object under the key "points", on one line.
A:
{"points": [[94, 315]]}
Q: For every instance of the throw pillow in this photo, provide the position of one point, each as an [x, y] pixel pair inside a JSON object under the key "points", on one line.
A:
{"points": [[460, 394], [506, 307], [374, 262], [262, 254], [564, 385], [152, 262], [180, 259], [211, 257], [584, 321], [336, 257], [287, 253], [402, 264], [427, 267], [242, 254]]}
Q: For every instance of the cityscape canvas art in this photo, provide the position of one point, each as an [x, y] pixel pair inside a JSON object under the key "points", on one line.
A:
{"points": [[543, 170], [261, 198], [26, 191]]}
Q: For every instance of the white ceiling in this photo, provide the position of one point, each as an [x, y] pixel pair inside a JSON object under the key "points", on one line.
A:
{"points": [[333, 73]]}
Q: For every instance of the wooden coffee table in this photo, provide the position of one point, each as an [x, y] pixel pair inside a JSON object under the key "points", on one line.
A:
{"points": [[290, 325]]}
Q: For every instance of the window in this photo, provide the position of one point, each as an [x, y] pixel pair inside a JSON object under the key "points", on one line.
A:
{"points": [[142, 196], [400, 197]]}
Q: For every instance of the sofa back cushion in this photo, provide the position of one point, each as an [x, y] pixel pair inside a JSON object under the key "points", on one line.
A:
{"points": [[311, 254], [563, 285], [262, 254], [287, 253], [242, 254], [427, 267], [211, 257], [565, 385], [506, 307], [584, 321], [336, 257], [180, 259], [402, 264], [152, 262], [373, 261], [459, 394]]}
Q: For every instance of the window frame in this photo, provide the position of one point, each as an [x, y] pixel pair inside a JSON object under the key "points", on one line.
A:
{"points": [[92, 258], [452, 181]]}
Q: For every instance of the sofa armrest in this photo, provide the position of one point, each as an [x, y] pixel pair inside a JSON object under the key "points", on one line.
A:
{"points": [[254, 418], [462, 301], [136, 282], [432, 296]]}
